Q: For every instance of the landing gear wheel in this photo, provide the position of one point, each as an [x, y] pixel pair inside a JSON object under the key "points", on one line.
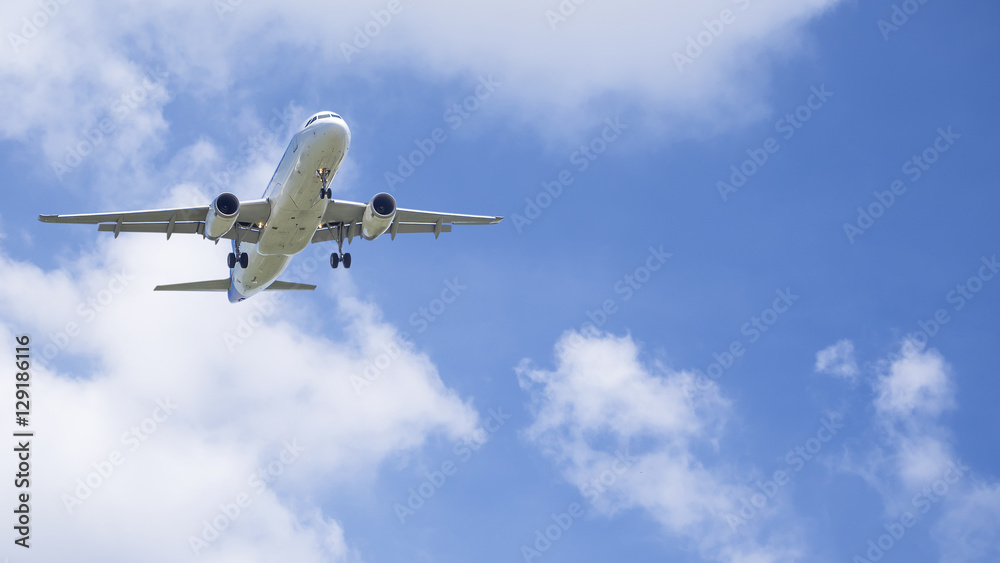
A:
{"points": [[324, 177], [347, 260], [335, 261], [244, 260], [232, 260]]}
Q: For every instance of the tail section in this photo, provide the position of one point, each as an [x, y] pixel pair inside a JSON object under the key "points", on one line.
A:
{"points": [[210, 285], [224, 284]]}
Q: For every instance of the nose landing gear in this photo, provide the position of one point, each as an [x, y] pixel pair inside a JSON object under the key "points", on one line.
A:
{"points": [[325, 192]]}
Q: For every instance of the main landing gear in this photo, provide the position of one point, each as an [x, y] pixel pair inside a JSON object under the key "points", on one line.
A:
{"points": [[325, 192], [244, 260], [337, 257], [238, 256]]}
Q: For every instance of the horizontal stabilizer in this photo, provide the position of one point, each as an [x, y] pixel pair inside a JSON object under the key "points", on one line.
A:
{"points": [[210, 285], [223, 285], [289, 286]]}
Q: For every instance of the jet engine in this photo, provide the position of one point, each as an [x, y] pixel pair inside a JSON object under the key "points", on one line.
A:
{"points": [[221, 216], [378, 216]]}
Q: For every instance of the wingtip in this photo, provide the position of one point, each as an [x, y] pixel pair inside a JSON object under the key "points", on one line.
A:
{"points": [[46, 218]]}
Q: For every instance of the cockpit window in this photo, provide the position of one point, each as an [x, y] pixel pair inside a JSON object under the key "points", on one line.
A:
{"points": [[321, 116]]}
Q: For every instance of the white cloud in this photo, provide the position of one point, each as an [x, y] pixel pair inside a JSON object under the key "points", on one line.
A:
{"points": [[914, 461], [601, 403], [838, 360], [236, 411], [91, 62], [915, 385]]}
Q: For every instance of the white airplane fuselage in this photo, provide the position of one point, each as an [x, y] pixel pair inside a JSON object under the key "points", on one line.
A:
{"points": [[296, 206]]}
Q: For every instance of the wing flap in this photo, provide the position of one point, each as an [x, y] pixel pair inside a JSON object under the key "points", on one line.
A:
{"points": [[324, 234], [246, 235], [340, 211], [253, 212]]}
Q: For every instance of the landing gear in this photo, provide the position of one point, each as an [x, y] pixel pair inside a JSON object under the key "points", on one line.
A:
{"points": [[238, 256], [243, 260], [337, 257], [325, 192]]}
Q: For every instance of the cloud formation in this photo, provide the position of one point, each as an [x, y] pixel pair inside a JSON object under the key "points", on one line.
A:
{"points": [[163, 443], [601, 404]]}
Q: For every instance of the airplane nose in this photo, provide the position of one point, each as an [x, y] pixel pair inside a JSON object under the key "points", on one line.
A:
{"points": [[341, 131]]}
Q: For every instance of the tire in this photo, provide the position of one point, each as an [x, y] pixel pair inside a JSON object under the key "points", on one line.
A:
{"points": [[232, 260], [347, 260], [244, 260], [334, 261]]}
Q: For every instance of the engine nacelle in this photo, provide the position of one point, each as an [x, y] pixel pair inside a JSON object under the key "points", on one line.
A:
{"points": [[221, 216], [378, 216]]}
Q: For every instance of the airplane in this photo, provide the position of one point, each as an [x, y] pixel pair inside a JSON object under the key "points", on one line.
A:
{"points": [[297, 209]]}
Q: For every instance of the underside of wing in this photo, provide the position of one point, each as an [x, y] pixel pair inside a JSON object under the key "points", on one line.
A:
{"points": [[344, 220], [414, 216], [180, 220]]}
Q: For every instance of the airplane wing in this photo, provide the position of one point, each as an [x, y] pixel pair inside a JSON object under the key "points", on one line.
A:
{"points": [[184, 220], [349, 214]]}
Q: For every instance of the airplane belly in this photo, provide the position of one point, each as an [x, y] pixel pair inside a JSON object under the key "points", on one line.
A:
{"points": [[297, 209], [290, 229], [261, 271], [317, 152]]}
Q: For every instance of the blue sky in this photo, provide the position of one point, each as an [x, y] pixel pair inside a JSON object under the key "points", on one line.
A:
{"points": [[755, 352]]}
